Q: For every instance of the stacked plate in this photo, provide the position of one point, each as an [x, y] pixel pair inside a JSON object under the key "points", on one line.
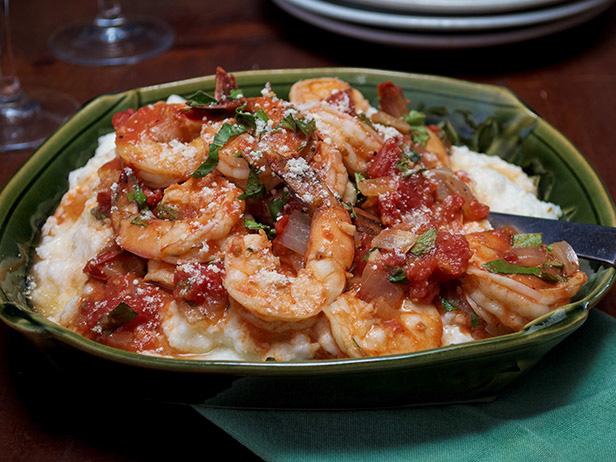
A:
{"points": [[444, 23]]}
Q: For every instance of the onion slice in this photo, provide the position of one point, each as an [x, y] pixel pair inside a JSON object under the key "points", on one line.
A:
{"points": [[395, 239], [296, 233], [564, 253], [376, 285], [529, 256]]}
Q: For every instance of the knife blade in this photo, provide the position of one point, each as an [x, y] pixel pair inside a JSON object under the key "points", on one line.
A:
{"points": [[593, 242]]}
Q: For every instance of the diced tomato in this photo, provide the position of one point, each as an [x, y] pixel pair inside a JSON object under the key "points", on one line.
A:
{"points": [[144, 300], [153, 196], [413, 192], [385, 160], [452, 254], [476, 211], [201, 284], [225, 82], [392, 99]]}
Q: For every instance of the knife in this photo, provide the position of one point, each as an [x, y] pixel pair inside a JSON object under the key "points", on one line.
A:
{"points": [[593, 242]]}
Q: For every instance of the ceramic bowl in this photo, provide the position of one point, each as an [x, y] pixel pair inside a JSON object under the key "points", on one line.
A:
{"points": [[471, 371]]}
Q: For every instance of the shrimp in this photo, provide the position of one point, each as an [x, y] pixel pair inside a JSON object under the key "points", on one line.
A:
{"points": [[201, 209], [310, 90], [160, 143], [356, 140], [509, 301], [361, 330], [327, 161], [254, 277], [230, 161]]}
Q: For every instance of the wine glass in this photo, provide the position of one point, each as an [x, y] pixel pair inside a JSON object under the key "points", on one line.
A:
{"points": [[111, 38], [26, 119]]}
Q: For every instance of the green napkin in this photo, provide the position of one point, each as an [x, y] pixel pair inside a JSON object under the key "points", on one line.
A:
{"points": [[563, 409]]}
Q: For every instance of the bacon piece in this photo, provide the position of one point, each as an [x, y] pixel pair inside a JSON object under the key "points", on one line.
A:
{"points": [[392, 99], [343, 101], [225, 82]]}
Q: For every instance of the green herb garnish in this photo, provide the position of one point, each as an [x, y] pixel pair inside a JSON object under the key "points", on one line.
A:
{"points": [[397, 275], [236, 93], [290, 122], [447, 305], [137, 195], [415, 118], [276, 205], [365, 119], [116, 318], [523, 240], [474, 320], [140, 220], [226, 132], [254, 188], [200, 99], [504, 267], [425, 243], [420, 135], [254, 225], [167, 212], [250, 119]]}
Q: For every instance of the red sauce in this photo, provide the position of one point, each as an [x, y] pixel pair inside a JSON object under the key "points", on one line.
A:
{"points": [[385, 160], [146, 300], [200, 284], [413, 192], [114, 261]]}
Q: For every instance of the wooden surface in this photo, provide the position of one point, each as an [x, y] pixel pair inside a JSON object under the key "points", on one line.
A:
{"points": [[569, 79]]}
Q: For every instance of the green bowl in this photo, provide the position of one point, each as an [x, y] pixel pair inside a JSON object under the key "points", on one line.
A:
{"points": [[471, 371]]}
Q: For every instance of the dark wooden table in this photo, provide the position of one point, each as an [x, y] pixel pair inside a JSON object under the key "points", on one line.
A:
{"points": [[569, 79]]}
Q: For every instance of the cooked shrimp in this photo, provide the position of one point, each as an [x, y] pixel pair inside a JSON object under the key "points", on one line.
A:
{"points": [[254, 277], [309, 90], [160, 143], [327, 161], [510, 300], [230, 160], [435, 146], [356, 140], [360, 330], [205, 208]]}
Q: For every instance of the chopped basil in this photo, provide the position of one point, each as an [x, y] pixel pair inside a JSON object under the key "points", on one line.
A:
{"points": [[447, 305], [236, 93], [140, 220], [249, 119], [550, 247], [397, 275], [504, 267], [359, 177], [474, 320], [305, 126], [527, 240], [226, 132], [200, 99], [167, 212], [411, 155], [254, 225], [116, 318], [404, 167], [420, 135], [276, 205], [365, 119], [254, 188], [425, 243], [137, 195], [549, 276], [415, 118]]}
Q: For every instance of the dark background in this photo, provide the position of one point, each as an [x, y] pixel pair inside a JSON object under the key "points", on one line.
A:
{"points": [[569, 79]]}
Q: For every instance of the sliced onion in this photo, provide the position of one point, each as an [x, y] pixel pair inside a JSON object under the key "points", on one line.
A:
{"points": [[395, 239], [296, 233], [377, 186], [374, 284], [564, 253], [529, 256], [445, 178]]}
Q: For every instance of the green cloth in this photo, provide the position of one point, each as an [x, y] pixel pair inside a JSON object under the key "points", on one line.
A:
{"points": [[563, 409]]}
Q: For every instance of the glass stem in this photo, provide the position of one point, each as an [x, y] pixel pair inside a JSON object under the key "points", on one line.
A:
{"points": [[10, 88], [109, 14]]}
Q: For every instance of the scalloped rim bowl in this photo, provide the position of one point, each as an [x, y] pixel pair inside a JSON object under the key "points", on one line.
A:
{"points": [[22, 204]]}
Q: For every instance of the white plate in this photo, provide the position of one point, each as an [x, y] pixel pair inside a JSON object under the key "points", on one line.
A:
{"points": [[438, 41], [446, 23], [453, 6]]}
